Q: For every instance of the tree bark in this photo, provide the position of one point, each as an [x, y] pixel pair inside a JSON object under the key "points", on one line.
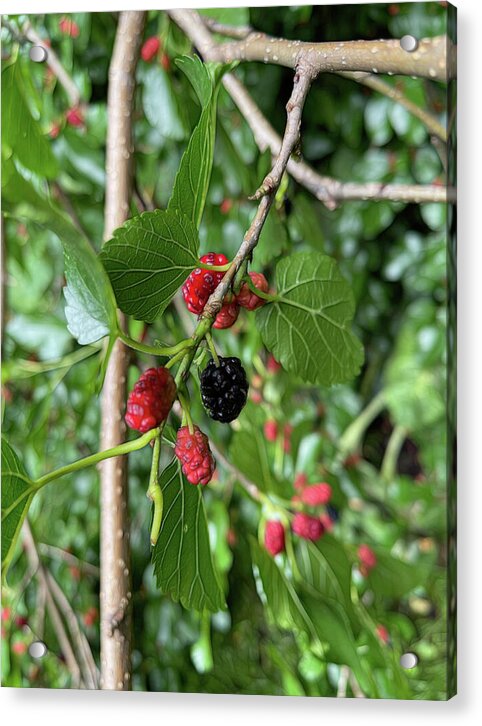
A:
{"points": [[115, 580]]}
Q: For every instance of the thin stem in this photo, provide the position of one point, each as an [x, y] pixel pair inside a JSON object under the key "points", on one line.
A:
{"points": [[259, 293], [154, 492], [125, 448], [351, 438], [392, 452], [186, 411], [215, 268], [176, 358], [154, 350], [210, 342]]}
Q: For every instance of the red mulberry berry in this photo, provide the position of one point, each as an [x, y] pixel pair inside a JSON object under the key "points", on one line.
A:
{"points": [[225, 206], [248, 299], [272, 365], [307, 527], [227, 316], [202, 283], [150, 400], [75, 117], [316, 494], [367, 558], [271, 430], [195, 456], [383, 634], [274, 537], [150, 49], [69, 27]]}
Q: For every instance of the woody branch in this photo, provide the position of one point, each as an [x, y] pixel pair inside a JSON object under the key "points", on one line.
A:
{"points": [[328, 190]]}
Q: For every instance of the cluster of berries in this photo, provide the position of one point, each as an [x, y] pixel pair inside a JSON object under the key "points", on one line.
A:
{"points": [[304, 525], [224, 390], [201, 283]]}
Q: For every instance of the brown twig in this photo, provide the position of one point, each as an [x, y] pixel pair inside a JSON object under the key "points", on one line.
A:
{"points": [[370, 56], [54, 614], [326, 189], [86, 659], [69, 558], [301, 85], [231, 31], [115, 584], [367, 79], [55, 65]]}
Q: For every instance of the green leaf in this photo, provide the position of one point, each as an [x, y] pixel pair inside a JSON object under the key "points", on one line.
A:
{"points": [[415, 386], [20, 131], [326, 570], [192, 180], [200, 78], [17, 494], [160, 103], [228, 16], [90, 304], [308, 328], [182, 558], [326, 625], [148, 259], [280, 596], [249, 454], [393, 577]]}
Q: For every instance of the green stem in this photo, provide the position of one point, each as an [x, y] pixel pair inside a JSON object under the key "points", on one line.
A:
{"points": [[210, 342], [118, 450], [215, 268], [152, 349], [351, 438], [154, 492], [26, 368], [176, 358], [186, 411], [263, 295], [392, 452]]}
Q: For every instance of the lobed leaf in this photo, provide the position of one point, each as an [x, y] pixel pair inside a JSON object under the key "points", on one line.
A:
{"points": [[148, 259], [308, 328]]}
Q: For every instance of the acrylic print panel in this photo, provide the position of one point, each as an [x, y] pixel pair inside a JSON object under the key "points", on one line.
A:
{"points": [[230, 285]]}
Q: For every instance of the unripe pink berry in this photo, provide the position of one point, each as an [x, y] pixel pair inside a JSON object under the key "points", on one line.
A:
{"points": [[307, 527], [274, 537], [317, 494], [367, 558], [271, 430]]}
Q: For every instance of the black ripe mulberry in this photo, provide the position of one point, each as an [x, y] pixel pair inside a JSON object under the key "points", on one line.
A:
{"points": [[224, 389]]}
